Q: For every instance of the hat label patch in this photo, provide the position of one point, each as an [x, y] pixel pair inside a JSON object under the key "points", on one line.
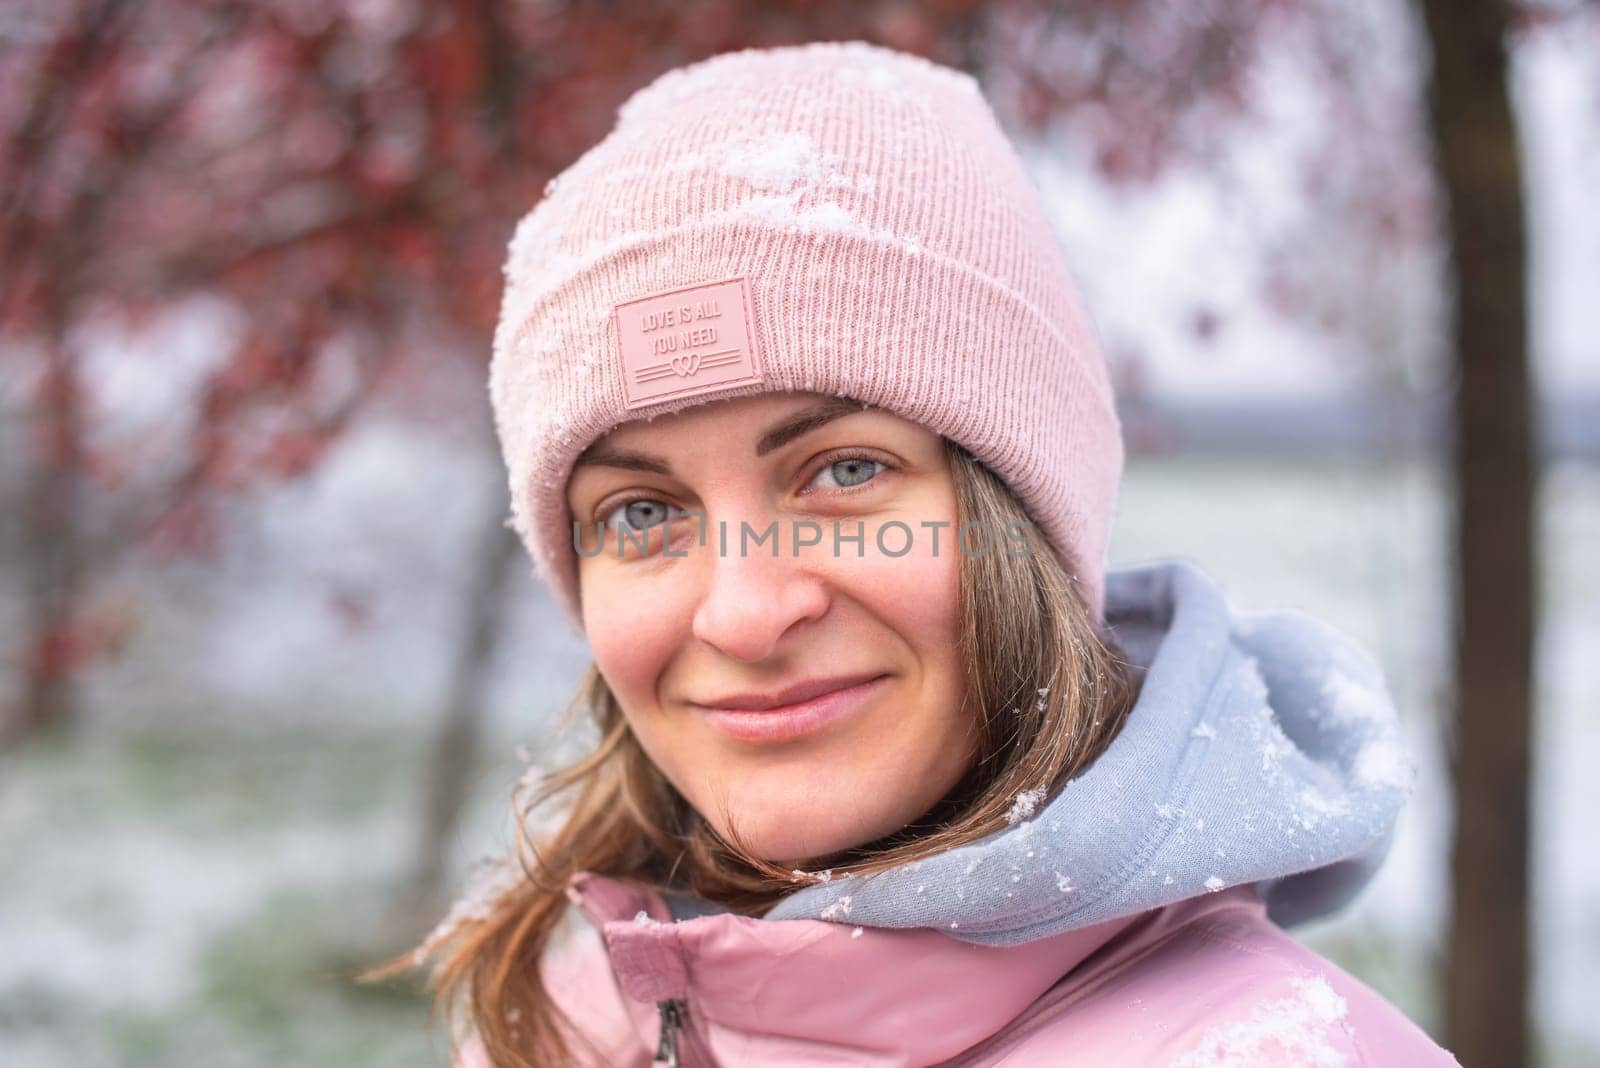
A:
{"points": [[685, 342]]}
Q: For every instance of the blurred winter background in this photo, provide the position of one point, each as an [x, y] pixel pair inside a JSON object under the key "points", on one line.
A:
{"points": [[269, 658]]}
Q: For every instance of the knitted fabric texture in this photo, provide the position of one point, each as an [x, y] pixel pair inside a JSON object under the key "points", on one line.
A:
{"points": [[835, 217]]}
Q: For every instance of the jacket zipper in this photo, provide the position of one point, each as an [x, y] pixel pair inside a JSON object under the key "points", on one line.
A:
{"points": [[672, 1013]]}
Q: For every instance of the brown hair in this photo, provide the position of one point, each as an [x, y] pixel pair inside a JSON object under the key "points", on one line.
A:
{"points": [[1052, 691]]}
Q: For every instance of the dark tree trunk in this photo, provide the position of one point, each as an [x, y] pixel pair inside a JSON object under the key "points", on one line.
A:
{"points": [[1488, 961], [51, 553], [455, 750]]}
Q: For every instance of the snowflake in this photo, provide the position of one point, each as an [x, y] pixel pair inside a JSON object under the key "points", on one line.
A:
{"points": [[1024, 804]]}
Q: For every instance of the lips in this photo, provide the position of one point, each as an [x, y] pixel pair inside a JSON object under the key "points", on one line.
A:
{"points": [[818, 704], [791, 695]]}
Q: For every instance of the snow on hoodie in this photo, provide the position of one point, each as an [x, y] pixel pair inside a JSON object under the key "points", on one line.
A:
{"points": [[1135, 918]]}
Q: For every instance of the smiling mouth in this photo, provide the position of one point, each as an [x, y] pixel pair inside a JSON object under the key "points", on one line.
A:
{"points": [[797, 718], [790, 697]]}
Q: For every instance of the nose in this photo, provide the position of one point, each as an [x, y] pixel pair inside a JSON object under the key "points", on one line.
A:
{"points": [[753, 596]]}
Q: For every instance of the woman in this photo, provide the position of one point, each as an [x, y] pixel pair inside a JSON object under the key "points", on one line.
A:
{"points": [[810, 435]]}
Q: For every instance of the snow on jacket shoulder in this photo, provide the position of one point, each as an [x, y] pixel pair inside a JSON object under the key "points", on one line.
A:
{"points": [[1211, 983]]}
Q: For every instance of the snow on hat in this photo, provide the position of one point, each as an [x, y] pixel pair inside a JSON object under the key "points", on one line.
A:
{"points": [[836, 217]]}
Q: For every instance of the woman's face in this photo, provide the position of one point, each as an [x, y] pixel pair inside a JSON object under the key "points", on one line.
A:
{"points": [[711, 610]]}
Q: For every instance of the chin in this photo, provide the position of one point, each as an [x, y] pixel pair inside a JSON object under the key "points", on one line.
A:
{"points": [[791, 829]]}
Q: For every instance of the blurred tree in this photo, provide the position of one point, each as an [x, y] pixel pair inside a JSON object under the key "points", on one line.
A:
{"points": [[1486, 978]]}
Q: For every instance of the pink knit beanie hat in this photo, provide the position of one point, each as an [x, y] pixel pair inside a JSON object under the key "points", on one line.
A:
{"points": [[837, 217]]}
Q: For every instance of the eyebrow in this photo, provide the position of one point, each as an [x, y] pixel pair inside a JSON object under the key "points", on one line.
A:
{"points": [[777, 436]]}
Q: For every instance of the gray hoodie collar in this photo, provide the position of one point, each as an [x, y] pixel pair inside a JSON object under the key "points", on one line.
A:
{"points": [[1264, 748]]}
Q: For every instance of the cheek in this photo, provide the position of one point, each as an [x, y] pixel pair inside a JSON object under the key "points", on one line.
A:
{"points": [[918, 598], [630, 631], [915, 595]]}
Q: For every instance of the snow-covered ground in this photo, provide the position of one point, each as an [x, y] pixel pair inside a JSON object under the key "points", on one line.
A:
{"points": [[188, 882]]}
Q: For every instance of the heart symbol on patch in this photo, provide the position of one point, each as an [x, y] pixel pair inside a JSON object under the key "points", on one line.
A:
{"points": [[686, 365]]}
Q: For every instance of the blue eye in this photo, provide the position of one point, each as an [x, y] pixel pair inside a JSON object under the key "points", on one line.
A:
{"points": [[639, 514], [849, 472]]}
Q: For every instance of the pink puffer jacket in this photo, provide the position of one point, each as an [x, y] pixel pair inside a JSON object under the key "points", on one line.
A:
{"points": [[1205, 981]]}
